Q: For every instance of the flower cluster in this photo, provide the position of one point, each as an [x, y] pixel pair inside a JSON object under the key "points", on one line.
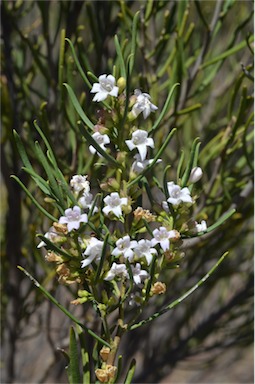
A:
{"points": [[111, 240]]}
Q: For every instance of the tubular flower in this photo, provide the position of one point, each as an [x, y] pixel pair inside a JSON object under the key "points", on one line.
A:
{"points": [[140, 141], [139, 166], [116, 270], [201, 227], [125, 247], [139, 274], [178, 194], [106, 86], [93, 251], [143, 104], [162, 236], [79, 183], [101, 140], [113, 203], [73, 218], [144, 248]]}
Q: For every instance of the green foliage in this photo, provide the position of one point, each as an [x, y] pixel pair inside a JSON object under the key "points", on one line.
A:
{"points": [[196, 61]]}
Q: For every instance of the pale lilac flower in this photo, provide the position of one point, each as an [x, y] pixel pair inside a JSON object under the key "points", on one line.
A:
{"points": [[144, 248], [86, 201], [116, 270], [80, 183], [201, 227], [162, 236], [113, 203], [178, 194], [73, 218], [195, 174], [106, 86], [51, 235], [101, 140], [93, 251], [143, 104], [139, 166], [125, 247], [139, 274], [140, 141]]}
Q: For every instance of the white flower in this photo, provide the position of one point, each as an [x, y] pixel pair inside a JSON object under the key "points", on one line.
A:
{"points": [[93, 251], [124, 247], [135, 299], [113, 204], [86, 201], [139, 274], [80, 183], [140, 141], [195, 174], [101, 140], [162, 236], [73, 218], [202, 227], [143, 104], [116, 270], [139, 166], [178, 194], [51, 234], [105, 87], [144, 248]]}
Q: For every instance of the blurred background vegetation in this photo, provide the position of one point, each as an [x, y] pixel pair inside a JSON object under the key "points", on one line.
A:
{"points": [[206, 46]]}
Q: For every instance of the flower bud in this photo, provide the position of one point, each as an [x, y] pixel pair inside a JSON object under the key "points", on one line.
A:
{"points": [[121, 83], [195, 174]]}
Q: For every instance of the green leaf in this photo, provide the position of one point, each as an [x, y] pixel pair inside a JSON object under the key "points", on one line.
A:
{"points": [[133, 41], [227, 53], [164, 109], [73, 368], [63, 309], [182, 297], [120, 57], [130, 373], [77, 107], [81, 72], [84, 357], [35, 202], [42, 184], [193, 156]]}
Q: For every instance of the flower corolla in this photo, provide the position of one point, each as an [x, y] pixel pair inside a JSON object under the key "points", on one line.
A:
{"points": [[163, 236], [144, 248], [201, 227], [73, 217], [140, 141], [125, 247], [106, 86], [51, 235], [139, 274], [101, 140], [80, 183], [113, 203], [143, 104], [116, 270], [178, 194], [139, 166], [86, 202], [93, 251]]}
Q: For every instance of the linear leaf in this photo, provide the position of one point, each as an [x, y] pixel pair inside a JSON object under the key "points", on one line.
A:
{"points": [[63, 309]]}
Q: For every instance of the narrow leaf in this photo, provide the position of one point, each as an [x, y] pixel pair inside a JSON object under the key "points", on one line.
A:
{"points": [[74, 369], [63, 309]]}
